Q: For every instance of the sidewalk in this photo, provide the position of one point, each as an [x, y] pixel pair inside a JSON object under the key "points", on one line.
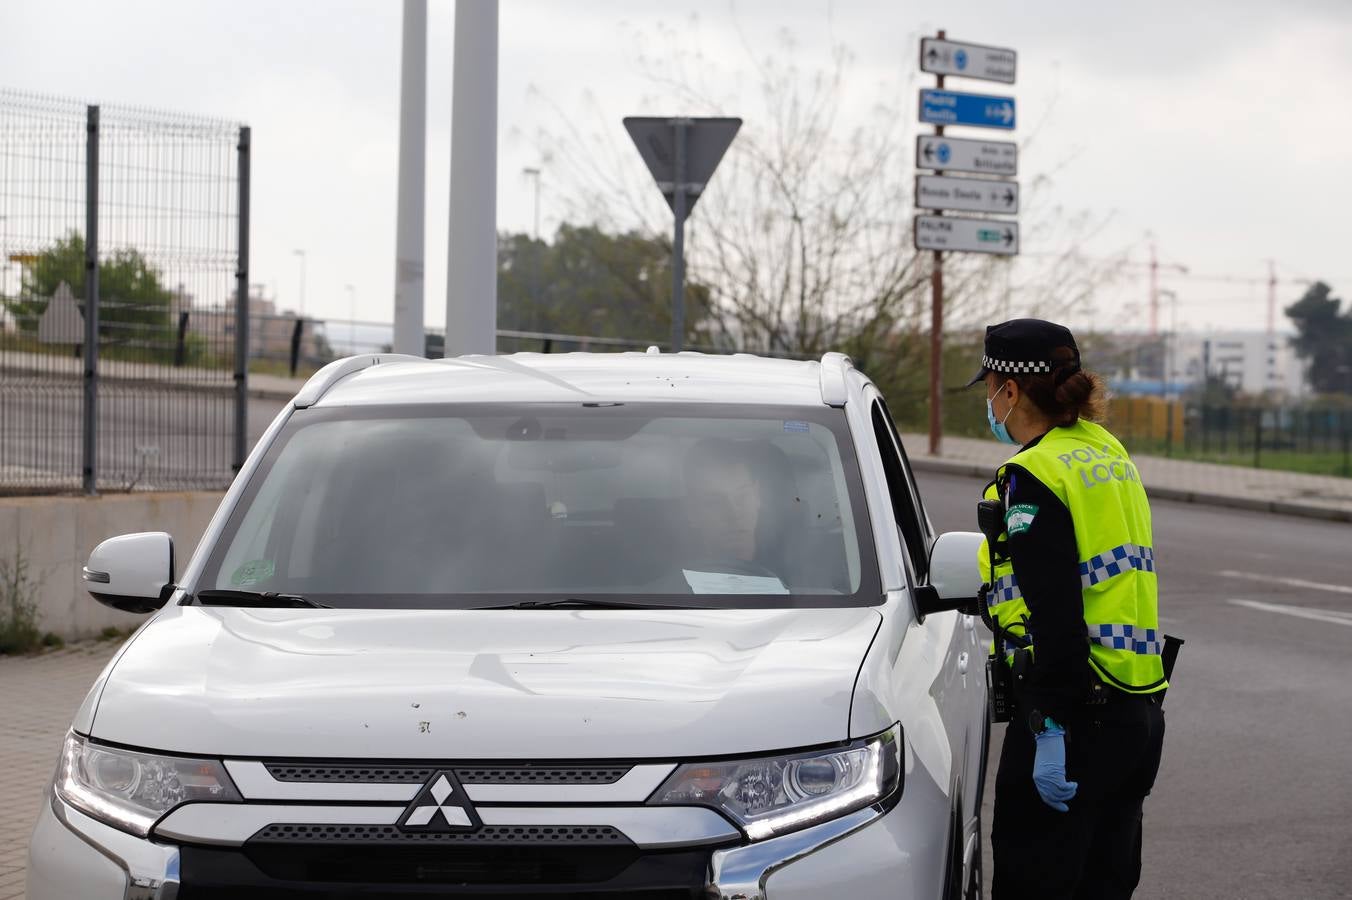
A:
{"points": [[1265, 490], [38, 698]]}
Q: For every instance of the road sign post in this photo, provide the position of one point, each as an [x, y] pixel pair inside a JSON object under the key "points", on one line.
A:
{"points": [[939, 107], [934, 151], [682, 154], [966, 194], [956, 234], [940, 57], [935, 231], [679, 127]]}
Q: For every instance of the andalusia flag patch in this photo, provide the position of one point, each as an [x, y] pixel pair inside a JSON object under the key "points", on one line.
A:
{"points": [[1019, 518]]}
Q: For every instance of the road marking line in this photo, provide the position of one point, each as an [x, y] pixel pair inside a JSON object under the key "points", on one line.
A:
{"points": [[1289, 582], [1330, 616]]}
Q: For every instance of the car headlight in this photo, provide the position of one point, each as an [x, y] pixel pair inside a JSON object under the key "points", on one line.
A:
{"points": [[771, 795], [131, 790]]}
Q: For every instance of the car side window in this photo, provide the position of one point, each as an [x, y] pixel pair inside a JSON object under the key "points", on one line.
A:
{"points": [[909, 475], [905, 504]]}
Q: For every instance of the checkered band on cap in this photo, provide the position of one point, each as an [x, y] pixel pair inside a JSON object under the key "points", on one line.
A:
{"points": [[1014, 368]]}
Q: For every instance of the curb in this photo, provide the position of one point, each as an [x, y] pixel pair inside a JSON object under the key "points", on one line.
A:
{"points": [[1182, 495]]}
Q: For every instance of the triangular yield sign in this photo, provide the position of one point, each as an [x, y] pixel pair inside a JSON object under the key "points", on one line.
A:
{"points": [[706, 140]]}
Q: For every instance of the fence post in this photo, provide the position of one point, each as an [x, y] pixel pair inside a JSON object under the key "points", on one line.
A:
{"points": [[1258, 438], [90, 411], [1168, 428], [1347, 445], [242, 306], [180, 341], [295, 345]]}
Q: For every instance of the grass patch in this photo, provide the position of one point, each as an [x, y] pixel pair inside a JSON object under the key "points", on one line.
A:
{"points": [[19, 606], [113, 633], [1308, 462]]}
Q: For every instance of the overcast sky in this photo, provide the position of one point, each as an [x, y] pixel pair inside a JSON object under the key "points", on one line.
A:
{"points": [[1220, 126]]}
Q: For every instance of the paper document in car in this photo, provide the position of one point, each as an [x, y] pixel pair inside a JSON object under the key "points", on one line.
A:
{"points": [[729, 583]]}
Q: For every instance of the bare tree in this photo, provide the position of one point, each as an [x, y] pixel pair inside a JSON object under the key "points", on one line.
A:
{"points": [[805, 233]]}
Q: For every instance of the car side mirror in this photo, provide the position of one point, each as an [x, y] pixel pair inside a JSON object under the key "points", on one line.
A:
{"points": [[954, 581], [132, 572]]}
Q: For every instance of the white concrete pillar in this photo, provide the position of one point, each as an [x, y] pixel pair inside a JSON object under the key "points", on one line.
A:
{"points": [[408, 252], [472, 263]]}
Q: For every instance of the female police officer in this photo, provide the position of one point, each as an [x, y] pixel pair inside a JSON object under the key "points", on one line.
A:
{"points": [[1073, 577]]}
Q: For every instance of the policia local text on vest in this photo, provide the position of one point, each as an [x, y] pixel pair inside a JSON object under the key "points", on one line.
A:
{"points": [[1078, 666]]}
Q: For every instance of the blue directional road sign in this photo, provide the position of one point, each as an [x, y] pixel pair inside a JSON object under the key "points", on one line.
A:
{"points": [[954, 108]]}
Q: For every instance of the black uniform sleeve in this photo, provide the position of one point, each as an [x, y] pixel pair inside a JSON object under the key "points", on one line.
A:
{"points": [[1047, 566]]}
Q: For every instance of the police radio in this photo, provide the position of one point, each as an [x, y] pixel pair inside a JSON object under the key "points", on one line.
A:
{"points": [[990, 518]]}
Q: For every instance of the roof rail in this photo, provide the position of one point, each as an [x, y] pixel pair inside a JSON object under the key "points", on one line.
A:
{"points": [[331, 374], [834, 367]]}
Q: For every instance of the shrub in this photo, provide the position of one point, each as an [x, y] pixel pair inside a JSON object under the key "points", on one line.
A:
{"points": [[18, 606]]}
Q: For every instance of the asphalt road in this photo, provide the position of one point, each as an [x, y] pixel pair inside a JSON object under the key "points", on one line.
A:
{"points": [[1254, 799], [164, 439]]}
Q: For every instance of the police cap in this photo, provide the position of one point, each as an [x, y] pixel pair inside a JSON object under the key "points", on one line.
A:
{"points": [[1025, 347]]}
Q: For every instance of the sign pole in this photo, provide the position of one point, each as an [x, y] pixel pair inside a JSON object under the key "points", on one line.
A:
{"points": [[936, 422], [678, 239], [681, 153]]}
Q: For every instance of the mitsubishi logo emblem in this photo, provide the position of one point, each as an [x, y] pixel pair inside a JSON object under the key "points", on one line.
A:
{"points": [[441, 806]]}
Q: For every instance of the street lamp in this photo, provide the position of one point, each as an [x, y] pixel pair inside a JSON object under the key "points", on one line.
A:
{"points": [[301, 254], [534, 173]]}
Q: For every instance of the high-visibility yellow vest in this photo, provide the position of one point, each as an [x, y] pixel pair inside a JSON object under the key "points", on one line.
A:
{"points": [[1088, 469]]}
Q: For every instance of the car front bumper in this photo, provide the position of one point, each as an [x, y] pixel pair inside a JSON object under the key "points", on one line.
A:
{"points": [[881, 851], [72, 855]]}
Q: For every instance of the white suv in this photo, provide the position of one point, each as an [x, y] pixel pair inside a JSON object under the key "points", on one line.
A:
{"points": [[632, 625]]}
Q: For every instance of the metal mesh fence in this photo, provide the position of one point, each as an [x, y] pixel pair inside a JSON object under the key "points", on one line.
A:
{"points": [[42, 222], [168, 194], [154, 401], [1315, 438]]}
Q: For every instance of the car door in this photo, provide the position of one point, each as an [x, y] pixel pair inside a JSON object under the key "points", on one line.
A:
{"points": [[960, 683]]}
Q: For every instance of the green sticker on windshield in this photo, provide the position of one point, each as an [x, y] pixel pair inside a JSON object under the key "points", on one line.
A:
{"points": [[1019, 518], [255, 571]]}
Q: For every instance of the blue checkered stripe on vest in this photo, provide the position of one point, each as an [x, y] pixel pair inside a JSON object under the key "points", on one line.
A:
{"points": [[1123, 558], [1006, 588], [1145, 641]]}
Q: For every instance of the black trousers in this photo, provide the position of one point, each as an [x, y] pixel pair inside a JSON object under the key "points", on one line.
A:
{"points": [[1094, 850]]}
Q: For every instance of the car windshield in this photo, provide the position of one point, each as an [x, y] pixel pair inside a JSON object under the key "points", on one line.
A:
{"points": [[455, 507]]}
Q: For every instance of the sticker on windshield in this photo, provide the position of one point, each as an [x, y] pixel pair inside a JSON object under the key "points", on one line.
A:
{"points": [[255, 571], [1019, 518], [797, 427], [728, 583]]}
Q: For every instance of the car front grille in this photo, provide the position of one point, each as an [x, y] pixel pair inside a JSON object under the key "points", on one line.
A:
{"points": [[363, 774], [487, 834], [338, 871]]}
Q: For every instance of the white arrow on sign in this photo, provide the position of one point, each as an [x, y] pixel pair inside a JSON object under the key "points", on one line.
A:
{"points": [[966, 155], [966, 235], [966, 194], [967, 60]]}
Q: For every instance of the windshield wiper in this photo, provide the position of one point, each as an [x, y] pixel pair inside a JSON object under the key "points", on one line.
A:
{"points": [[578, 603], [260, 599]]}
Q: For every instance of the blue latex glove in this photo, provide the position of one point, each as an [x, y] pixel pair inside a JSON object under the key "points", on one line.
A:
{"points": [[1049, 768]]}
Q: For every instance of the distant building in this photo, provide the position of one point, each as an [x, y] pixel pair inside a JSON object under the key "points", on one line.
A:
{"points": [[1251, 362]]}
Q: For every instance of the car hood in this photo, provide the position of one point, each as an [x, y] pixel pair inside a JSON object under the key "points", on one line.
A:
{"points": [[481, 684]]}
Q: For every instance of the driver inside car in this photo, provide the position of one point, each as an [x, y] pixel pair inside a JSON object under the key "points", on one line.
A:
{"points": [[724, 502]]}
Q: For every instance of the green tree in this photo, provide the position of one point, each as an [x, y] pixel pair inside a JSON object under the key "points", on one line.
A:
{"points": [[133, 304], [593, 283], [1324, 338]]}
